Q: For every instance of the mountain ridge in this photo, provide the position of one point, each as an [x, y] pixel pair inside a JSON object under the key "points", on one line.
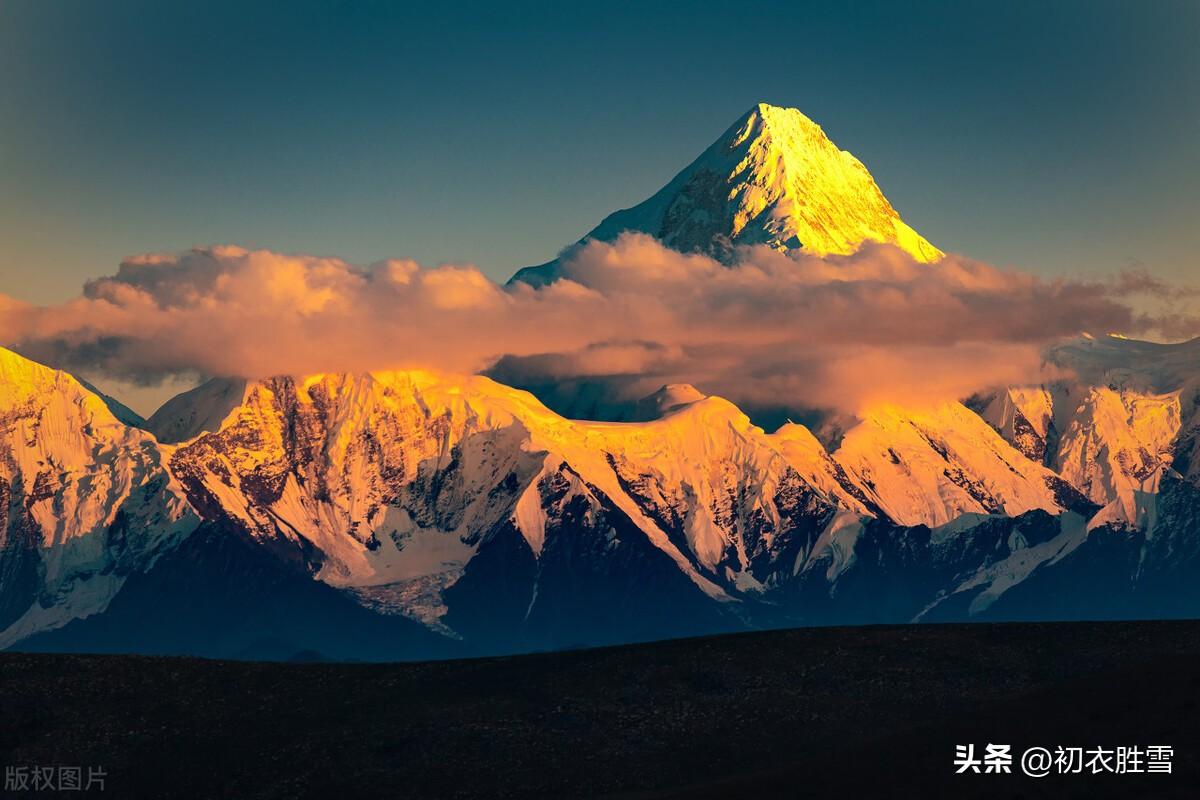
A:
{"points": [[470, 510]]}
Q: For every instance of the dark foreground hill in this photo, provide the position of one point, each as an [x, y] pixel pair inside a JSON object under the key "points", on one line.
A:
{"points": [[832, 712]]}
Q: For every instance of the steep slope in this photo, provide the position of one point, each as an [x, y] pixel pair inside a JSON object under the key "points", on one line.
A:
{"points": [[124, 414], [1143, 567], [196, 411], [805, 454], [84, 500], [930, 466], [720, 488], [773, 178], [218, 595], [1118, 440], [1024, 417]]}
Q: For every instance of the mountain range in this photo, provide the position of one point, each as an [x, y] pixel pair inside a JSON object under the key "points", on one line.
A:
{"points": [[422, 514]]}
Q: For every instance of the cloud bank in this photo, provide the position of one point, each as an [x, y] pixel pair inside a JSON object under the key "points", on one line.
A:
{"points": [[773, 328]]}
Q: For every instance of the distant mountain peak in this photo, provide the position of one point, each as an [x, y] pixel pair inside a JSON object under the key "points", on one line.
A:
{"points": [[668, 398], [773, 178], [196, 411]]}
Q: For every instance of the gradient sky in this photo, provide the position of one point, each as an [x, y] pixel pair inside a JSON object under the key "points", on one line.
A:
{"points": [[1058, 137]]}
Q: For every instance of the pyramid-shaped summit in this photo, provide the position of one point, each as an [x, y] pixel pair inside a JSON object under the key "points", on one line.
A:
{"points": [[773, 178]]}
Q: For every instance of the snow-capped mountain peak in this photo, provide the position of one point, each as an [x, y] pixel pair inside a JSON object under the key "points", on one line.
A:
{"points": [[773, 178], [84, 499], [196, 411]]}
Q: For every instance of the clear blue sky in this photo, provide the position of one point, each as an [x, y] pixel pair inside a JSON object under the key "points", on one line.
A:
{"points": [[1060, 137]]}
